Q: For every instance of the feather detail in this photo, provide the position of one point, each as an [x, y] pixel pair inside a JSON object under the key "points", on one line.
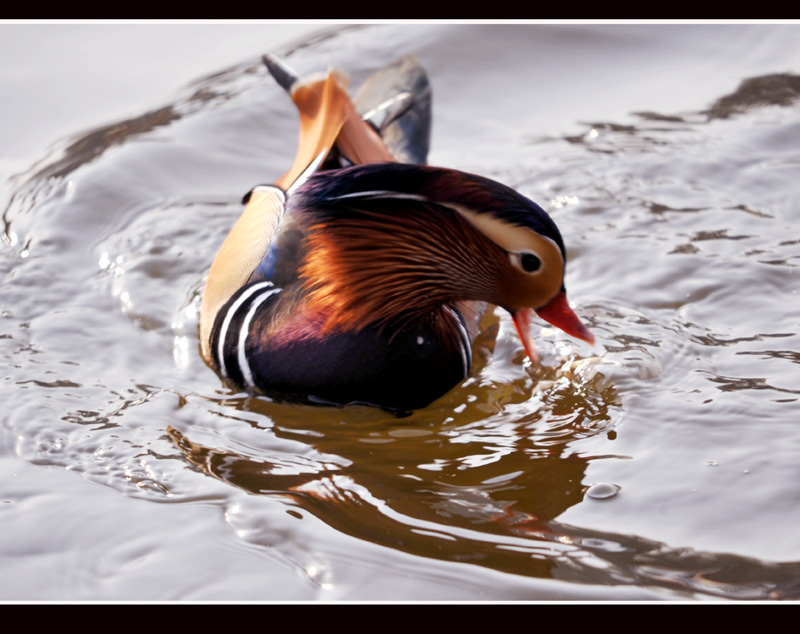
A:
{"points": [[390, 264], [327, 119], [239, 254]]}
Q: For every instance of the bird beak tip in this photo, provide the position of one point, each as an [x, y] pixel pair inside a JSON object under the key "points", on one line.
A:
{"points": [[558, 313]]}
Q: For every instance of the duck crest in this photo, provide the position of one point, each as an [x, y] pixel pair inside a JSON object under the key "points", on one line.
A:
{"points": [[356, 278]]}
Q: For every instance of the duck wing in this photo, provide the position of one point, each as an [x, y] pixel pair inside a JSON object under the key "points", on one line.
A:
{"points": [[396, 102], [328, 121], [331, 128]]}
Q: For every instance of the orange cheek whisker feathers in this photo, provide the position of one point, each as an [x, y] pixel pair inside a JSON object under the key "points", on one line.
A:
{"points": [[416, 274]]}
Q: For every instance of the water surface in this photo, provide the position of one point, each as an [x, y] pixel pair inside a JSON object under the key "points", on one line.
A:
{"points": [[660, 464]]}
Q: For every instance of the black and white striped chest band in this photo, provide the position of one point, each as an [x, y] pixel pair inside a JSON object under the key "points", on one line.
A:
{"points": [[241, 311]]}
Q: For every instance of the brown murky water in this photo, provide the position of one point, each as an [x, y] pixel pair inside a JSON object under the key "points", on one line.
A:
{"points": [[660, 464]]}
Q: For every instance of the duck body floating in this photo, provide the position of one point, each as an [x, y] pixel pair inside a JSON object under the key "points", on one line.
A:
{"points": [[361, 274]]}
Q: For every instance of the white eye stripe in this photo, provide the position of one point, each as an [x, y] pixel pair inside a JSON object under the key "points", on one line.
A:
{"points": [[513, 238]]}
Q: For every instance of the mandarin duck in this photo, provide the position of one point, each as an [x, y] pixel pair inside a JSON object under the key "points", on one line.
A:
{"points": [[360, 275]]}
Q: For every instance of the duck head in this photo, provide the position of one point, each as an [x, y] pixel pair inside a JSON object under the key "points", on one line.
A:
{"points": [[394, 240]]}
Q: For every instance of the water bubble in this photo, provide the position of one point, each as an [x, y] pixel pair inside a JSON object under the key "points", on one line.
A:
{"points": [[602, 490]]}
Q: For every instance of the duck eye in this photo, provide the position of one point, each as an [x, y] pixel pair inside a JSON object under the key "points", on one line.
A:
{"points": [[529, 262]]}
